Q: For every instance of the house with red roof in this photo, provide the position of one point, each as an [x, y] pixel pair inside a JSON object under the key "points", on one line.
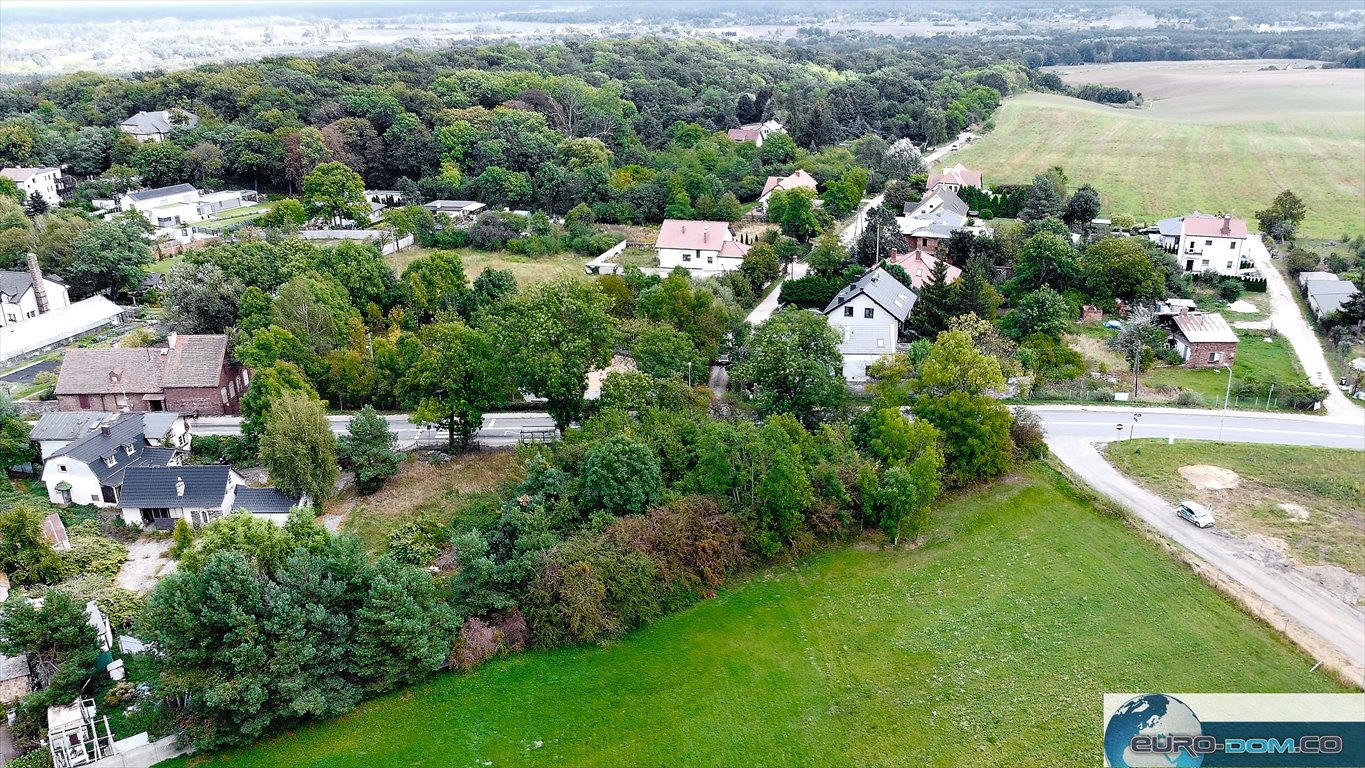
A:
{"points": [[799, 179], [703, 248], [955, 178], [919, 265], [741, 135]]}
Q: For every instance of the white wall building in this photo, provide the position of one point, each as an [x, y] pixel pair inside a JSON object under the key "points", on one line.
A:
{"points": [[40, 180], [704, 248], [156, 126], [1206, 243], [868, 315], [165, 207], [19, 301]]}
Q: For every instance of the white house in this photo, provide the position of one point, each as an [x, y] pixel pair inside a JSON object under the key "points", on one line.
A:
{"points": [[459, 210], [165, 207], [40, 180], [935, 217], [213, 202], [1204, 243], [704, 248], [868, 315], [26, 295], [159, 496], [91, 469], [156, 126]]}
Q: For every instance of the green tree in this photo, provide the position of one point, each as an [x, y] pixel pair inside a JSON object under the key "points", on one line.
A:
{"points": [[955, 364], [25, 554], [829, 256], [160, 163], [16, 449], [58, 639], [270, 385], [662, 351], [1082, 208], [976, 435], [315, 309], [621, 476], [897, 440], [1042, 311], [1122, 268], [458, 376], [551, 335], [1283, 216], [794, 210], [201, 299], [36, 204], [489, 288], [1044, 200], [110, 257], [334, 191], [1046, 259], [881, 237], [298, 449], [368, 449], [793, 365], [760, 266], [435, 283]]}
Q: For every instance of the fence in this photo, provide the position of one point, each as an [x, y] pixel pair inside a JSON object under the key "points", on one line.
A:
{"points": [[387, 243], [603, 264]]}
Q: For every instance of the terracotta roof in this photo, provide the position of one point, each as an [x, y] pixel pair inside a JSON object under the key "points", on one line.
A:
{"points": [[958, 174], [23, 174], [690, 235], [193, 361], [745, 134], [733, 249], [1204, 327], [798, 179], [1199, 226], [919, 264]]}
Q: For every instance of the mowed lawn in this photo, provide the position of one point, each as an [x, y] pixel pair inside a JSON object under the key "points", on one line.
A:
{"points": [[990, 645], [1230, 150], [527, 269], [1257, 359], [1326, 482]]}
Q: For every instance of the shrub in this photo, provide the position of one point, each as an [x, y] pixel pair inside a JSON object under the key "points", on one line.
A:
{"points": [[220, 449], [1230, 289], [1188, 398], [986, 214], [621, 476], [1027, 434], [418, 541], [92, 553]]}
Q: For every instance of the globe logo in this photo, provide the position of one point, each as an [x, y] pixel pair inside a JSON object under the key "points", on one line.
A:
{"points": [[1152, 714]]}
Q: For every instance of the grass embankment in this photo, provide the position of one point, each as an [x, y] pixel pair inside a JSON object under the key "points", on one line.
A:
{"points": [[991, 644], [463, 489], [1326, 482], [1173, 159], [527, 269]]}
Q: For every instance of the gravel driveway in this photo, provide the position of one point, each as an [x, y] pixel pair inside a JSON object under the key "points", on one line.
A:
{"points": [[147, 563]]}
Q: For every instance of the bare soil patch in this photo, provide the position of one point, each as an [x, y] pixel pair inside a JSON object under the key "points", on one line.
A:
{"points": [[1206, 477]]}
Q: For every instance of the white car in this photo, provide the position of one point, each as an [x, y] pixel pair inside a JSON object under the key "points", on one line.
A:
{"points": [[1196, 513]]}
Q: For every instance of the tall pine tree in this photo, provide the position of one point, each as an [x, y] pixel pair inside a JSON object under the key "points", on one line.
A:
{"points": [[935, 305]]}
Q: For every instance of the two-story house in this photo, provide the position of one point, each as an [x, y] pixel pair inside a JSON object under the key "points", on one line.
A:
{"points": [[868, 315], [157, 126], [955, 178], [933, 218], [704, 248], [192, 374], [799, 179], [44, 181], [165, 207], [56, 430], [1204, 243], [91, 468]]}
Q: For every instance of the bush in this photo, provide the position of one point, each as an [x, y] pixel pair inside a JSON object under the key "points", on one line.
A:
{"points": [[1188, 398], [491, 232], [986, 214], [92, 553], [220, 449], [1230, 289], [418, 541], [621, 476], [1027, 434]]}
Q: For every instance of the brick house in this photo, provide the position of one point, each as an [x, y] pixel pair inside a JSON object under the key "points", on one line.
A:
{"points": [[1204, 339], [190, 375]]}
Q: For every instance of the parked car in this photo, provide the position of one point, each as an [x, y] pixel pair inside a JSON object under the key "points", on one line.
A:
{"points": [[1196, 513]]}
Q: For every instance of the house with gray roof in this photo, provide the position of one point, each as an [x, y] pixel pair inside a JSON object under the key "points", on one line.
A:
{"points": [[868, 316], [91, 469], [55, 430], [156, 497], [935, 217], [19, 301], [1325, 297], [156, 126], [192, 374]]}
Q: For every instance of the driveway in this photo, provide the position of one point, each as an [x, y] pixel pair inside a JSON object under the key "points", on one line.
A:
{"points": [[147, 563], [1288, 319]]}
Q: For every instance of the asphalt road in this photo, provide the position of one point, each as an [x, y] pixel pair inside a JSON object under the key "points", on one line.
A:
{"points": [[24, 376], [1073, 431]]}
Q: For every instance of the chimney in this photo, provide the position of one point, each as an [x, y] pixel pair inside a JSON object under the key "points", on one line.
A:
{"points": [[170, 340], [705, 233], [684, 229], [179, 486], [1227, 223], [39, 290], [105, 430]]}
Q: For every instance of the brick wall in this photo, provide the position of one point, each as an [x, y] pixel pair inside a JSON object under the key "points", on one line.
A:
{"points": [[1199, 354]]}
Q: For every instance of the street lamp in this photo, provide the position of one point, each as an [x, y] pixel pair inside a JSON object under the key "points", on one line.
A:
{"points": [[1227, 396], [1133, 432]]}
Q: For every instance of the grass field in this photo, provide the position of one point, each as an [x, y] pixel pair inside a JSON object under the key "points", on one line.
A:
{"points": [[528, 269], [991, 644], [1213, 139], [1325, 481], [1256, 359]]}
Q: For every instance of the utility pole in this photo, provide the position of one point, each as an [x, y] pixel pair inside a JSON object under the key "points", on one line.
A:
{"points": [[1137, 360], [1226, 397]]}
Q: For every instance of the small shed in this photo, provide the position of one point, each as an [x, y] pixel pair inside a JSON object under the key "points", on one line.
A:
{"points": [[1203, 339], [1091, 314]]}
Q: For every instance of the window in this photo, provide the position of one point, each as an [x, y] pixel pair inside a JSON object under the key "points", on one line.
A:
{"points": [[710, 260], [1205, 263], [61, 467], [223, 391], [1208, 242], [687, 257], [848, 311], [1232, 243], [881, 343], [867, 313], [128, 448], [1229, 265], [110, 461], [1214, 357], [95, 497]]}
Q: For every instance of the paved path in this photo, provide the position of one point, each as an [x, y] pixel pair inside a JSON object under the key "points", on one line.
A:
{"points": [[1288, 319], [1073, 432]]}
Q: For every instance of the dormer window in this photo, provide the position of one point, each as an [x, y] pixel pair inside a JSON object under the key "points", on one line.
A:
{"points": [[128, 449], [110, 461]]}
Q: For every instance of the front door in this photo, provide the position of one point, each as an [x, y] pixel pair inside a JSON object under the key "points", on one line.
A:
{"points": [[108, 494], [1189, 265]]}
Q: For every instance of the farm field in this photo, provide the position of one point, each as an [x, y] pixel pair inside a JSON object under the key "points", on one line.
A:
{"points": [[527, 269], [1325, 482], [1212, 138], [990, 644]]}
